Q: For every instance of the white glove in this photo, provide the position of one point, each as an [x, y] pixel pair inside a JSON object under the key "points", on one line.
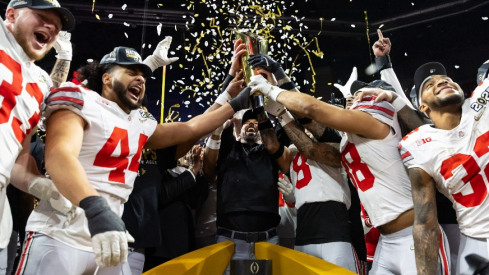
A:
{"points": [[345, 90], [260, 84], [287, 190], [160, 58], [111, 247], [44, 189], [63, 46]]}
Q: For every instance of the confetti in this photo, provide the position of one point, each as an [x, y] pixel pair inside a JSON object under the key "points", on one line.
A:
{"points": [[484, 18], [353, 25], [127, 24], [405, 54], [158, 29], [110, 15], [457, 66], [96, 16], [126, 35], [124, 7]]}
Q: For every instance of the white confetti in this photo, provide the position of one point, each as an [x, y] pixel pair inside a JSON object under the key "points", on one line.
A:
{"points": [[124, 7], [89, 60], [412, 3], [158, 28], [158, 102], [149, 46], [457, 66], [381, 25], [333, 19], [127, 24], [484, 18], [126, 35], [110, 15], [353, 25], [405, 54]]}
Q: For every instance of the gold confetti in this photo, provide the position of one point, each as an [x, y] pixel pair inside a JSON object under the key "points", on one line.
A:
{"points": [[96, 16]]}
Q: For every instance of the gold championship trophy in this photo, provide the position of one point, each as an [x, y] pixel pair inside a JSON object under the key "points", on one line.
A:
{"points": [[255, 44]]}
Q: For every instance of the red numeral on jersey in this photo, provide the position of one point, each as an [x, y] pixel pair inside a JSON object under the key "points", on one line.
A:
{"points": [[304, 167], [357, 170], [105, 159], [9, 91], [473, 177]]}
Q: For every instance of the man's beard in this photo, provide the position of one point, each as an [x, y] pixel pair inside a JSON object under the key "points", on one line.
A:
{"points": [[24, 43], [455, 99], [121, 91], [250, 138]]}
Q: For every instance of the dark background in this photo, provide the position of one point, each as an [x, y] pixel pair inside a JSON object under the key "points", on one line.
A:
{"points": [[454, 33]]}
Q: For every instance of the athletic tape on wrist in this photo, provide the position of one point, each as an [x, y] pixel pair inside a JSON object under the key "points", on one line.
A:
{"points": [[398, 103], [286, 118], [213, 144], [383, 62], [223, 98]]}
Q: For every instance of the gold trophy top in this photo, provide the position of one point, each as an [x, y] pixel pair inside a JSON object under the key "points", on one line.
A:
{"points": [[255, 44]]}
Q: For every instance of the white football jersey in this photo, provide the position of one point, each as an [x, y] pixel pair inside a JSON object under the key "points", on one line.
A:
{"points": [[457, 161], [317, 182], [375, 166], [23, 86], [110, 154]]}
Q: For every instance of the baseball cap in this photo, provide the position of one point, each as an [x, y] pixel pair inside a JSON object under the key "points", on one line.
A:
{"points": [[248, 115], [67, 18], [423, 73], [126, 56], [357, 85]]}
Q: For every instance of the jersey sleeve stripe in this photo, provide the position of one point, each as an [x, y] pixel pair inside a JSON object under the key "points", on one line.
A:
{"points": [[66, 96], [66, 100]]}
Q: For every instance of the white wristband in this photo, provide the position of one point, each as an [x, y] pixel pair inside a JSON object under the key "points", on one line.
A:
{"points": [[213, 144], [223, 98], [285, 118], [399, 103]]}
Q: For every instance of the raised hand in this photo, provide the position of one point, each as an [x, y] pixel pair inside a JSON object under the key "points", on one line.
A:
{"points": [[238, 53], [194, 159], [345, 90], [160, 57], [264, 61], [381, 95], [382, 46], [63, 46], [236, 85]]}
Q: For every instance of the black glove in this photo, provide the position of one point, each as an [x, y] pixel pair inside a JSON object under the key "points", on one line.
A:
{"points": [[266, 62], [242, 101], [100, 217]]}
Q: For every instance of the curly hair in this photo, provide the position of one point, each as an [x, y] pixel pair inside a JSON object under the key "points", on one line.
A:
{"points": [[93, 73]]}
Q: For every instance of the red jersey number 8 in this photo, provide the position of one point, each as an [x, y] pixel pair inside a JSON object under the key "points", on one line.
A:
{"points": [[304, 167], [357, 170]]}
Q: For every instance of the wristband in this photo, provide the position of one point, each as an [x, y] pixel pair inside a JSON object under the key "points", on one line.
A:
{"points": [[279, 152], [398, 104], [285, 118], [213, 144], [289, 86], [383, 62], [304, 120], [265, 125], [223, 98], [226, 82]]}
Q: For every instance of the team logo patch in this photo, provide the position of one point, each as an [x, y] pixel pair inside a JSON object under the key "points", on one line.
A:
{"points": [[145, 115], [422, 141]]}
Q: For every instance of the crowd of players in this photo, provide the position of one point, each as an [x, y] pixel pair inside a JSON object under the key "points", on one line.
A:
{"points": [[381, 160]]}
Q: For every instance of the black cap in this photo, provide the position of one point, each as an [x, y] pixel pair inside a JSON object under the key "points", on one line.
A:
{"points": [[423, 73], [126, 56], [67, 18], [248, 115], [357, 85]]}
